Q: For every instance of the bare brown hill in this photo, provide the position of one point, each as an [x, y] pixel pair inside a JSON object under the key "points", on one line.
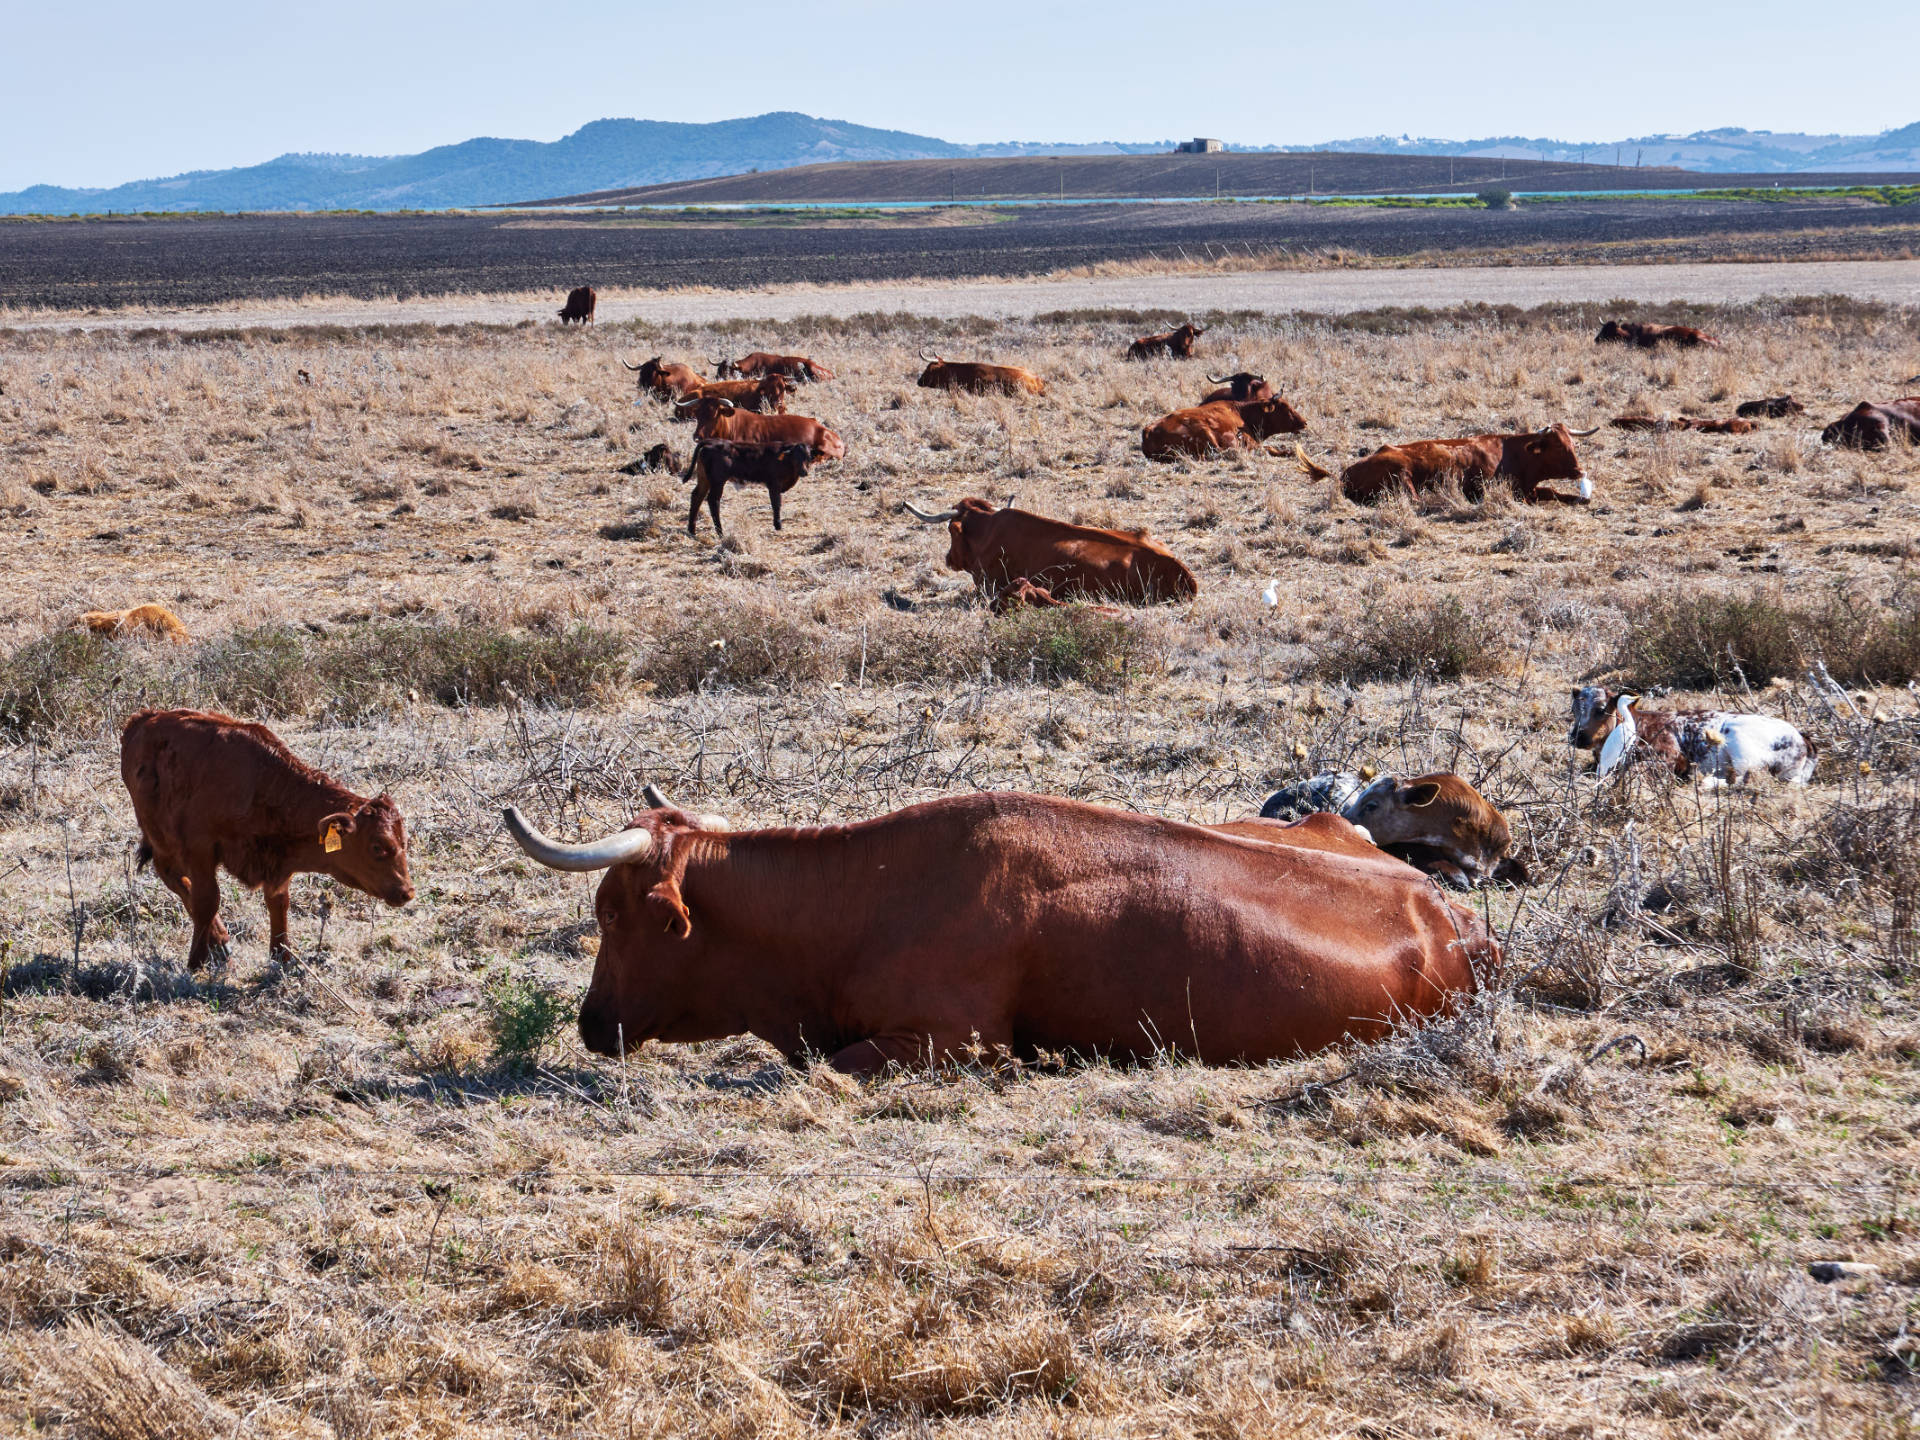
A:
{"points": [[1167, 177]]}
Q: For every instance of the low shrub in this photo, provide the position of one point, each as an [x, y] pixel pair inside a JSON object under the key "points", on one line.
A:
{"points": [[1397, 638], [1073, 644], [1701, 642], [73, 681], [752, 646]]}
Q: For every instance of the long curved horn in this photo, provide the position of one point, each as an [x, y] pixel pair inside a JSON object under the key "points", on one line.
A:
{"points": [[925, 519], [598, 855], [935, 359], [682, 404], [1218, 379], [1584, 433], [623, 361]]}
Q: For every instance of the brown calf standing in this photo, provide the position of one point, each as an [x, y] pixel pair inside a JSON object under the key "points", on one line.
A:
{"points": [[210, 791], [580, 305]]}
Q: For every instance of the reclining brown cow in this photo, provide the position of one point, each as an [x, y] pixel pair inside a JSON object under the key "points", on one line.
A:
{"points": [[798, 368], [1178, 343], [1237, 388], [1008, 924], [767, 395], [1874, 427], [1664, 424], [1632, 332], [1221, 425], [979, 379], [1437, 823], [1530, 462], [211, 792], [1017, 557], [666, 380], [718, 419]]}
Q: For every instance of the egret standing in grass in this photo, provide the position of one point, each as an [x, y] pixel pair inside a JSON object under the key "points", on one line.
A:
{"points": [[1620, 739], [1270, 597]]}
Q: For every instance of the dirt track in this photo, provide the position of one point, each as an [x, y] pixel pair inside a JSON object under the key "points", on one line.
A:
{"points": [[1893, 281]]}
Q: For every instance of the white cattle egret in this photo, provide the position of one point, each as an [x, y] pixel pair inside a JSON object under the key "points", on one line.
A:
{"points": [[1619, 740], [1270, 597]]}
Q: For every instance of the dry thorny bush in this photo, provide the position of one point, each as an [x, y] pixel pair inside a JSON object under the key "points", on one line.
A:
{"points": [[321, 1199]]}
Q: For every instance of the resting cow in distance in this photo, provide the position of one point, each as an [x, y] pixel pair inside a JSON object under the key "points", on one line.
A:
{"points": [[1529, 462], [800, 369], [1874, 427], [211, 792], [992, 924], [1437, 823], [1630, 332], [1019, 558], [1178, 343], [1218, 426], [979, 379]]}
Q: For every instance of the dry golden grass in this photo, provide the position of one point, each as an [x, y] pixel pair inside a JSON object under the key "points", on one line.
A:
{"points": [[315, 1201]]}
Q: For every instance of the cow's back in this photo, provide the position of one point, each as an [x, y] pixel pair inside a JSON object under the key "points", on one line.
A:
{"points": [[1101, 931]]}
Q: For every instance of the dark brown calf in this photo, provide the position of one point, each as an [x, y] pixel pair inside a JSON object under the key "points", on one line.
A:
{"points": [[210, 791], [716, 463]]}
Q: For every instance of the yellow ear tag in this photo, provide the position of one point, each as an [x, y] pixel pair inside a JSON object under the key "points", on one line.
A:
{"points": [[332, 842]]}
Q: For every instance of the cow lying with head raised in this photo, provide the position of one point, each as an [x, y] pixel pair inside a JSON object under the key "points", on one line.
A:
{"points": [[1177, 343], [1528, 462], [666, 380], [1438, 823], [1629, 332], [979, 379], [211, 792], [716, 463], [1005, 547], [798, 368], [1237, 388], [1874, 427], [718, 419], [767, 395], [1007, 924], [1221, 425], [579, 306], [1722, 745]]}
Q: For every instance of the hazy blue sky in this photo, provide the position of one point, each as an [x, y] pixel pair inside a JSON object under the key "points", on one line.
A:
{"points": [[99, 93]]}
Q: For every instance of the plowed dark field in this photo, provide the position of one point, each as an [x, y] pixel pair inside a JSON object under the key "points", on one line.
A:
{"points": [[79, 265]]}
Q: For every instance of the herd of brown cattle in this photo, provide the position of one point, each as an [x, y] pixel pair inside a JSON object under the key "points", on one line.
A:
{"points": [[991, 925]]}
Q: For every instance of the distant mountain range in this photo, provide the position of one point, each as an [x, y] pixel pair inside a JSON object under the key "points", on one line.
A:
{"points": [[1748, 152], [620, 154]]}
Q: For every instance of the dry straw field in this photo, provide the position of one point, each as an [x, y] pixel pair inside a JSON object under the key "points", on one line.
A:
{"points": [[384, 1192]]}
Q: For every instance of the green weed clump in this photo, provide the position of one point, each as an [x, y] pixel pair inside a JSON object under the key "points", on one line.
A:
{"points": [[1075, 644], [524, 1017]]}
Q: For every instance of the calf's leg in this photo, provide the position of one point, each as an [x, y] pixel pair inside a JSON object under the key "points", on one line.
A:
{"points": [[274, 892], [203, 904]]}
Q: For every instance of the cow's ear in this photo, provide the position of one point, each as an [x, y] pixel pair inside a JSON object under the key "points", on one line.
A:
{"points": [[334, 829], [1418, 797]]}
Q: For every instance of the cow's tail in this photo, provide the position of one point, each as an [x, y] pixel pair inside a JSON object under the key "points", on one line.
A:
{"points": [[142, 854], [693, 462], [1317, 472]]}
